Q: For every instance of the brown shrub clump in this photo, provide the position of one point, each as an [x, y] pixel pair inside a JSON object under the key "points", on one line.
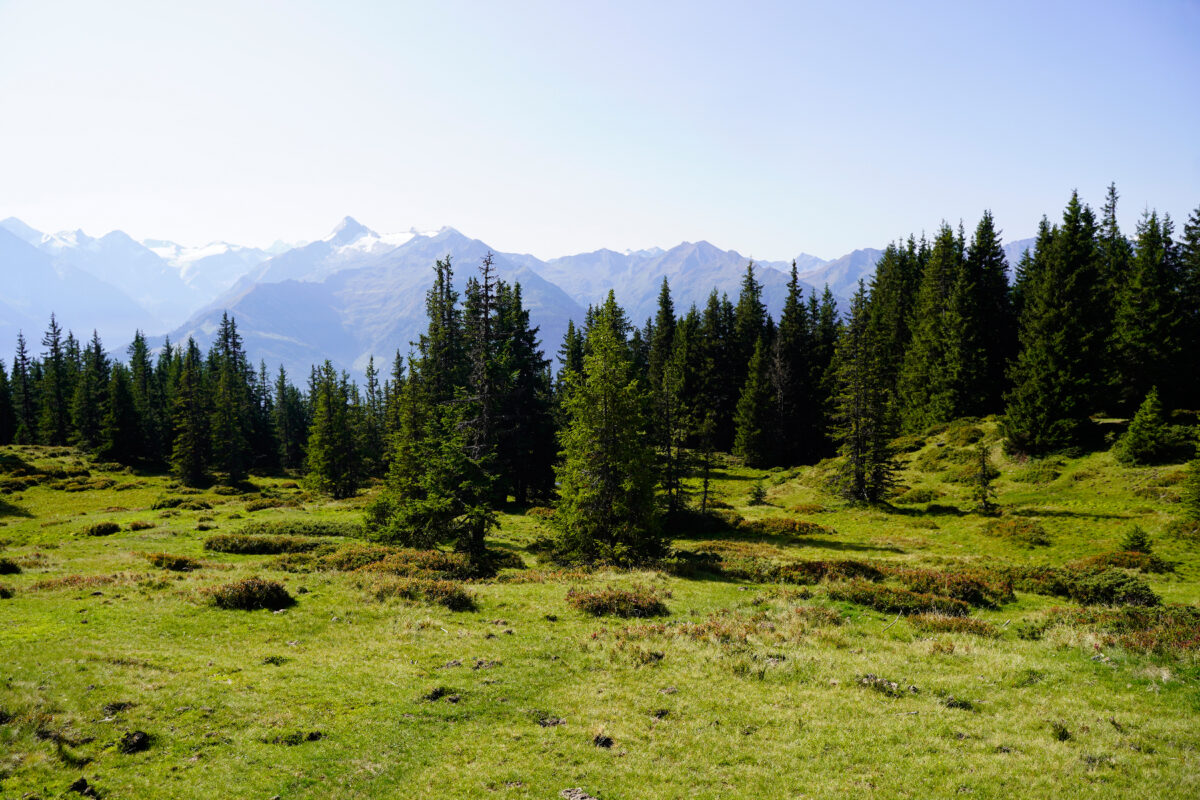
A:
{"points": [[1022, 531], [941, 623], [892, 600], [242, 544], [250, 594], [444, 593], [175, 563], [636, 602]]}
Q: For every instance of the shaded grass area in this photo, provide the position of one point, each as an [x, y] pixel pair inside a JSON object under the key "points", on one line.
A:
{"points": [[766, 677]]}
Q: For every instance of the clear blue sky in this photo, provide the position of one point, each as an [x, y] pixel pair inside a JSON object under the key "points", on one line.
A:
{"points": [[557, 127]]}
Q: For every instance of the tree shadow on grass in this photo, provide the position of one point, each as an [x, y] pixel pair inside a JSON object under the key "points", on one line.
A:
{"points": [[7, 509], [1046, 512]]}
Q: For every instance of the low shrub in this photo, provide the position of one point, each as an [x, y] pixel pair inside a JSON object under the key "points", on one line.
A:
{"points": [[540, 512], [1125, 559], [1022, 531], [296, 562], [504, 559], [1135, 539], [77, 581], [166, 502], [9, 567], [1171, 629], [175, 563], [1039, 472], [917, 494], [440, 592], [5, 592], [787, 526], [423, 564], [263, 503], [1084, 586], [141, 525], [303, 526], [636, 602], [105, 528], [355, 556], [1111, 587], [716, 504], [908, 444], [195, 504], [964, 435], [250, 594], [808, 508], [1186, 529], [979, 587], [941, 623], [892, 600], [241, 544]]}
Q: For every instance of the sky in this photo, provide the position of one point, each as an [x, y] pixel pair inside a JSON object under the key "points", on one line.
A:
{"points": [[562, 127]]}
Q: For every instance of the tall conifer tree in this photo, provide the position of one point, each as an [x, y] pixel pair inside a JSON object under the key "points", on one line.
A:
{"points": [[1058, 373], [607, 510], [864, 416]]}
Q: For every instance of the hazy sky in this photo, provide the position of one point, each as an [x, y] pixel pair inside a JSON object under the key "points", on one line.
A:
{"points": [[559, 127]]}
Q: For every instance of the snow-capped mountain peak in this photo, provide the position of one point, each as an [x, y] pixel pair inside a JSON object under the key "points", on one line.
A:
{"points": [[348, 231]]}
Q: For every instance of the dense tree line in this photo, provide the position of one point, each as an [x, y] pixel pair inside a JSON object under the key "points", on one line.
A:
{"points": [[1091, 323]]}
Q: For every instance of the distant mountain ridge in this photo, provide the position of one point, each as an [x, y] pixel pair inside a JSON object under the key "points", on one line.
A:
{"points": [[356, 292]]}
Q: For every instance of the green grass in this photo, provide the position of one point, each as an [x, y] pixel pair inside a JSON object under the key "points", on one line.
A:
{"points": [[744, 690]]}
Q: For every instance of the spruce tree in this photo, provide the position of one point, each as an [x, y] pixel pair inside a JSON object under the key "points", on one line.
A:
{"points": [[1114, 255], [994, 325], [90, 396], [231, 403], [291, 424], [442, 356], [982, 490], [607, 511], [333, 464], [435, 492], [25, 395], [1149, 439], [1146, 319], [526, 442], [864, 415], [8, 416], [893, 292], [190, 452], [1058, 373], [55, 391], [753, 434], [931, 380], [120, 427], [1187, 352], [149, 400], [794, 430], [662, 341], [374, 423]]}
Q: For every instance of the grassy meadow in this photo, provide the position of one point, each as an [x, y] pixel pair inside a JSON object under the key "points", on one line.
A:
{"points": [[795, 658]]}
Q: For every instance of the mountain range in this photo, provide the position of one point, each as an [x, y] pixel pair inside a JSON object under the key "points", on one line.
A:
{"points": [[355, 293]]}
